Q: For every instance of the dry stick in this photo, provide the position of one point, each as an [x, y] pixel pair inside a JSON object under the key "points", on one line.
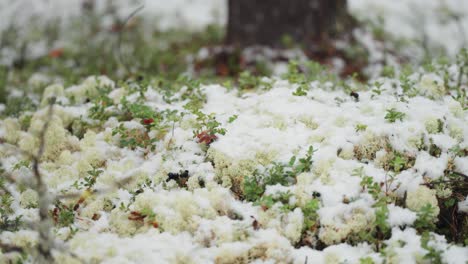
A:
{"points": [[45, 243], [119, 43], [7, 248]]}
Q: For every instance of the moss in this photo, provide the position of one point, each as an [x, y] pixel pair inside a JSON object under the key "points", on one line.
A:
{"points": [[434, 126], [416, 200], [120, 223], [265, 157], [394, 161], [456, 132], [431, 86], [308, 121], [356, 221], [231, 172], [369, 145], [12, 130], [54, 90]]}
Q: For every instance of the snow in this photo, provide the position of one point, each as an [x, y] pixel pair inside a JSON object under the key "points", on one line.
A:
{"points": [[205, 224], [400, 216]]}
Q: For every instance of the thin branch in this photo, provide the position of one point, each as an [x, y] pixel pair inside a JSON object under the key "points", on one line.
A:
{"points": [[45, 243], [119, 42], [7, 248]]}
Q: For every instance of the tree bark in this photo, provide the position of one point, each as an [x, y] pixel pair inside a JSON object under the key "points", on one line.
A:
{"points": [[267, 22]]}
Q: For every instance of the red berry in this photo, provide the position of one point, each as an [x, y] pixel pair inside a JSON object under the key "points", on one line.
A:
{"points": [[148, 121]]}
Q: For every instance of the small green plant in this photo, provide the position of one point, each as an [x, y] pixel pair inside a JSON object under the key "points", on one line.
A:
{"points": [[360, 127], [277, 173], [267, 201], [425, 220], [207, 128], [232, 118], [300, 91], [133, 138], [433, 255], [101, 101], [377, 90], [63, 215], [247, 81], [366, 260], [295, 76], [90, 180], [304, 164], [310, 213], [21, 164], [17, 105], [398, 162], [141, 111], [7, 222], [253, 189], [393, 115], [382, 199]]}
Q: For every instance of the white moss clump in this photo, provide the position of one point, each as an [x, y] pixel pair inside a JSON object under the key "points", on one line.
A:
{"points": [[65, 158], [308, 121], [26, 239], [94, 156], [88, 89], [369, 145], [293, 226], [322, 168], [219, 231], [120, 223], [349, 221], [54, 90], [230, 171], [456, 132], [265, 245], [178, 210], [404, 247], [455, 108], [92, 207], [88, 140], [431, 86], [432, 125], [29, 199], [62, 175], [12, 130], [347, 152], [56, 138], [421, 197], [28, 143]]}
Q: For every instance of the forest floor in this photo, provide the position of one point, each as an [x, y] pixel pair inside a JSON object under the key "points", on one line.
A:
{"points": [[130, 134]]}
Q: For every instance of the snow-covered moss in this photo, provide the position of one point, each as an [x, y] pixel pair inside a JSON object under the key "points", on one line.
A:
{"points": [[29, 199], [231, 172], [421, 197], [431, 86], [54, 90], [346, 223], [88, 89], [369, 145], [12, 130]]}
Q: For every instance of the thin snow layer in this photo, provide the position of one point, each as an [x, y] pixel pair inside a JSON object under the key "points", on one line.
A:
{"points": [[430, 21], [206, 221]]}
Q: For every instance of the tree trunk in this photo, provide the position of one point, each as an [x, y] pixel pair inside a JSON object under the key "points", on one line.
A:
{"points": [[268, 22]]}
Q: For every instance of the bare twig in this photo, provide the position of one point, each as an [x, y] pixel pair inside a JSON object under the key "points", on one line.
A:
{"points": [[119, 42], [7, 248], [45, 243]]}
